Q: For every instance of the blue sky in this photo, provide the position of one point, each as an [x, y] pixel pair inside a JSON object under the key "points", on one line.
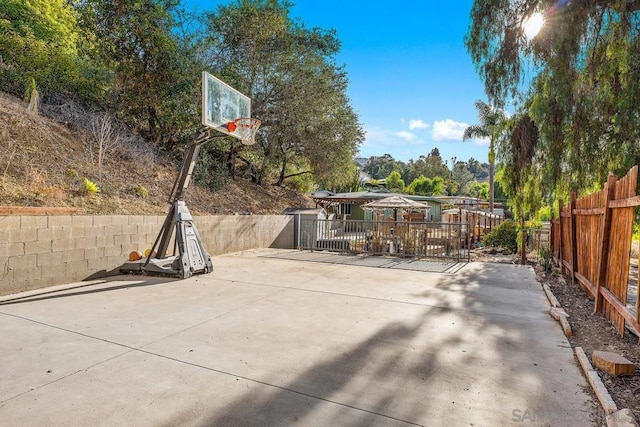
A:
{"points": [[412, 82]]}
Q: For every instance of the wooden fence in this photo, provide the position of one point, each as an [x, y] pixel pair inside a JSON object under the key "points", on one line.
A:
{"points": [[591, 240]]}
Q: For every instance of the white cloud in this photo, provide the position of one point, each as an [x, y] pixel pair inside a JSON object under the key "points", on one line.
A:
{"points": [[380, 141], [407, 136], [417, 124], [448, 130], [483, 142]]}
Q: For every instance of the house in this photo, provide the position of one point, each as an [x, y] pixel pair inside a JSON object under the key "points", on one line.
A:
{"points": [[348, 205], [471, 203]]}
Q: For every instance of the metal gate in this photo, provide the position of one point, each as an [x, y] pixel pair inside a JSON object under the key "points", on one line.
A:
{"points": [[391, 238]]}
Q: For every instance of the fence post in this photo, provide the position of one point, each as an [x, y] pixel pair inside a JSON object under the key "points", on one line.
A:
{"points": [[552, 238], [574, 246], [560, 234], [603, 243], [523, 243]]}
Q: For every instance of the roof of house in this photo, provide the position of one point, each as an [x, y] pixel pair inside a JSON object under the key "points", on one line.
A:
{"points": [[465, 201], [468, 211], [367, 196]]}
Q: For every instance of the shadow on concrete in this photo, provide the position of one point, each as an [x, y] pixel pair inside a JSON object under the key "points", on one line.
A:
{"points": [[525, 366], [321, 385], [80, 289]]}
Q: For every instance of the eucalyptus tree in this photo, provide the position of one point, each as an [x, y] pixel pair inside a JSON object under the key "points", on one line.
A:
{"points": [[577, 79], [491, 126], [379, 167], [297, 90], [435, 165], [462, 178]]}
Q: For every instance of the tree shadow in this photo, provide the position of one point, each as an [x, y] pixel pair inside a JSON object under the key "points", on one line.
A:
{"points": [[81, 289], [318, 389], [524, 379]]}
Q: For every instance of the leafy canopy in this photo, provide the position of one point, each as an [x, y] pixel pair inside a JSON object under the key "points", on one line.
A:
{"points": [[576, 81]]}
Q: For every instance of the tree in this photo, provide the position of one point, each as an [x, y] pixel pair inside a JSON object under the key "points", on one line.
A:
{"points": [[379, 167], [297, 90], [490, 126], [39, 40], [152, 77], [574, 80], [479, 170], [426, 186], [480, 190], [395, 182], [421, 185], [462, 177], [434, 165]]}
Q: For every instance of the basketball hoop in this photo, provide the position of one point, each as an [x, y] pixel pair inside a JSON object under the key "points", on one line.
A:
{"points": [[245, 128]]}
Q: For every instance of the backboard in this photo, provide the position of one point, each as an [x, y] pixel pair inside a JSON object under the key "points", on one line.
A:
{"points": [[222, 104]]}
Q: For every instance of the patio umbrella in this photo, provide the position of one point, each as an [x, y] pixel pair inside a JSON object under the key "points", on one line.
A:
{"points": [[395, 203]]}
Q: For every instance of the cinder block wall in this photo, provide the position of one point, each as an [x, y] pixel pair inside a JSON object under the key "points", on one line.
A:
{"points": [[40, 251]]}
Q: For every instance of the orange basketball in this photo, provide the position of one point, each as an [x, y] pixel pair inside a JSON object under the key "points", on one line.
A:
{"points": [[231, 126], [135, 256]]}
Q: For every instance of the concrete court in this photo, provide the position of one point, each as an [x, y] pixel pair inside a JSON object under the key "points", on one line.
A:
{"points": [[265, 340]]}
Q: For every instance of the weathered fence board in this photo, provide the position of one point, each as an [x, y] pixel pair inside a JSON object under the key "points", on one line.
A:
{"points": [[591, 238], [617, 271]]}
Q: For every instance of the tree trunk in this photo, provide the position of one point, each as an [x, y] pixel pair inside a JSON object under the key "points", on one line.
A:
{"points": [[491, 184], [282, 173], [231, 160]]}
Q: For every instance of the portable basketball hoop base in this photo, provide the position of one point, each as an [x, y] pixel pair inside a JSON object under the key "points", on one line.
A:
{"points": [[189, 255]]}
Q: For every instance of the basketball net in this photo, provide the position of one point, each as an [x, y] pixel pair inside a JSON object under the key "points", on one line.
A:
{"points": [[245, 128]]}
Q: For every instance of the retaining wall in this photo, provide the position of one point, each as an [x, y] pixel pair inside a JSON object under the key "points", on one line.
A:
{"points": [[40, 251]]}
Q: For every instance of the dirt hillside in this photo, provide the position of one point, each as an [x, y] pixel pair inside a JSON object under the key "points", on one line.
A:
{"points": [[44, 163]]}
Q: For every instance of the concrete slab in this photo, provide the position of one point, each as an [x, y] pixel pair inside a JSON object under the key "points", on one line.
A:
{"points": [[270, 341]]}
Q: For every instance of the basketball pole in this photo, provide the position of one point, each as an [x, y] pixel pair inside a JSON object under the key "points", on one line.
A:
{"points": [[179, 220], [189, 256]]}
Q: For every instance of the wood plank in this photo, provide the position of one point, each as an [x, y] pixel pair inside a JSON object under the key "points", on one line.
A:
{"points": [[560, 230], [597, 385], [603, 244], [620, 308], [625, 203], [574, 245], [590, 287], [601, 392], [592, 211], [36, 210]]}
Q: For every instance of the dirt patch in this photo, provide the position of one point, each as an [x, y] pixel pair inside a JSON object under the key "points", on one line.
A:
{"points": [[494, 255], [43, 162]]}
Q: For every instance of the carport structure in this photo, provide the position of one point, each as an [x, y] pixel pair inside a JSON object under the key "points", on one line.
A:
{"points": [[266, 340]]}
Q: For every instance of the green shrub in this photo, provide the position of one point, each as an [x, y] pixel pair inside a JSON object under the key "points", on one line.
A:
{"points": [[546, 258], [139, 190], [303, 183], [504, 235], [89, 187]]}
